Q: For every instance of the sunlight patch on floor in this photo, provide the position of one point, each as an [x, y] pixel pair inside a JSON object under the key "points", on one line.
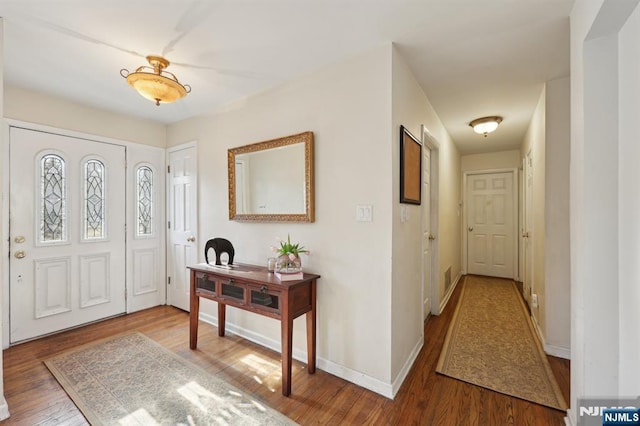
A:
{"points": [[195, 394], [138, 417]]}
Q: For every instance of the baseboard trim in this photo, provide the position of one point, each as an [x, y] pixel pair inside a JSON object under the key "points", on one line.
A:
{"points": [[402, 375], [444, 302], [569, 420], [4, 409], [353, 376], [553, 350], [558, 351]]}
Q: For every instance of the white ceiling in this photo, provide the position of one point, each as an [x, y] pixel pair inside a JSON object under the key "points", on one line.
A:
{"points": [[473, 58]]}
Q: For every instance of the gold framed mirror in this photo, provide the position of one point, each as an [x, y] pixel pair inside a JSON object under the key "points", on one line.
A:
{"points": [[272, 181]]}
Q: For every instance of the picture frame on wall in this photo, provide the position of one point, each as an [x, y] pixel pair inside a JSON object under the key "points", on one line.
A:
{"points": [[410, 168]]}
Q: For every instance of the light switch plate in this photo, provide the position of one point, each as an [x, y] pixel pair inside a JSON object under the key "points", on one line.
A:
{"points": [[364, 213]]}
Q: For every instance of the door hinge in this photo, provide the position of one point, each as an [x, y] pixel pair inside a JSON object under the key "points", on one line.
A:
{"points": [[169, 224], [125, 294], [168, 169], [168, 280]]}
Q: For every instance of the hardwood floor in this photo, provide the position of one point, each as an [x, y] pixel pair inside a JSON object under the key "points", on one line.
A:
{"points": [[426, 398]]}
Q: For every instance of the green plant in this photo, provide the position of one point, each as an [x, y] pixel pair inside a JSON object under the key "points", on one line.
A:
{"points": [[289, 248]]}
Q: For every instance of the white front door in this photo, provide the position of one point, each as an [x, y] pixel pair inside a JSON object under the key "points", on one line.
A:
{"points": [[182, 234], [67, 232], [426, 232], [491, 224]]}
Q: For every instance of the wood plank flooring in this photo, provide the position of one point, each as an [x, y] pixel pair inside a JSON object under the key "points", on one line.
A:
{"points": [[426, 398]]}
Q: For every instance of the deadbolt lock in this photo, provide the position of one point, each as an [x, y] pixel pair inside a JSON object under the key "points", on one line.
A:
{"points": [[19, 239]]}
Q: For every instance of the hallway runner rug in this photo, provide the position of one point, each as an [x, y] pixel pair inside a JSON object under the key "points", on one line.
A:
{"points": [[492, 343], [132, 380]]}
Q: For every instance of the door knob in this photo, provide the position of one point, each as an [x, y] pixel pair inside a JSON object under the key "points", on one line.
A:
{"points": [[470, 228], [20, 254], [191, 239], [432, 237]]}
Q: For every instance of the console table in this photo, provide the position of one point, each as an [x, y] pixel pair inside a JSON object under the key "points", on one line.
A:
{"points": [[253, 288]]}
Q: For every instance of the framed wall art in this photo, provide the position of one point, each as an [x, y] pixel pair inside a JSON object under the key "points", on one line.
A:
{"points": [[410, 168]]}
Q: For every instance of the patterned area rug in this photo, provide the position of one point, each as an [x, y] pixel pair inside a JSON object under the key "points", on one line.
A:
{"points": [[491, 343], [132, 380]]}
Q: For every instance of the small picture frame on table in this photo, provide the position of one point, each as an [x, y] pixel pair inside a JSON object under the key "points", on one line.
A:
{"points": [[410, 168]]}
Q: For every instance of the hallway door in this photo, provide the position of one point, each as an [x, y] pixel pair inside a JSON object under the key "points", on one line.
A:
{"points": [[527, 232], [491, 224], [182, 214], [427, 237]]}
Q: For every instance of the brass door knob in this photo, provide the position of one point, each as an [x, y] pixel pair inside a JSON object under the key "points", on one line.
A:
{"points": [[191, 239], [470, 228], [432, 237], [20, 254]]}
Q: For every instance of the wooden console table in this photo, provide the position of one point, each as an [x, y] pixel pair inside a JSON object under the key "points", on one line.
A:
{"points": [[253, 288]]}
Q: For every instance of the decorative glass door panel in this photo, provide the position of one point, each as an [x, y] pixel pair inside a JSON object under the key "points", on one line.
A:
{"points": [[67, 216]]}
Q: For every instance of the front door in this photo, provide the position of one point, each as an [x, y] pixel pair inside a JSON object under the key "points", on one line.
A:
{"points": [[490, 224], [182, 245], [67, 232]]}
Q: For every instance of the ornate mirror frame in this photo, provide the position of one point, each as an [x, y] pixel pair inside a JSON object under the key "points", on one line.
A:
{"points": [[309, 215]]}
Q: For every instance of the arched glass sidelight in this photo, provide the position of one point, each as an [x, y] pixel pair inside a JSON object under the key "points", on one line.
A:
{"points": [[94, 224], [53, 199], [144, 201]]}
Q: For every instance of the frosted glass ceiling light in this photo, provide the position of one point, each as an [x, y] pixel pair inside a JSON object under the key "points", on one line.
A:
{"points": [[485, 125], [154, 83]]}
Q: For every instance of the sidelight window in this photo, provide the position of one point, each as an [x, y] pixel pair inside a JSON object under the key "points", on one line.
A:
{"points": [[144, 201]]}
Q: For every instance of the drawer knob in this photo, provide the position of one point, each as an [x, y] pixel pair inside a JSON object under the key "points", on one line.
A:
{"points": [[263, 289]]}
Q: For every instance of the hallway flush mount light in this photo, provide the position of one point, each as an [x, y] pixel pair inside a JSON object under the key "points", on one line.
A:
{"points": [[154, 83], [485, 125]]}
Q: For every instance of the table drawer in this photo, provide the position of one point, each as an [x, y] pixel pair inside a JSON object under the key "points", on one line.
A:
{"points": [[263, 299], [206, 283], [233, 291]]}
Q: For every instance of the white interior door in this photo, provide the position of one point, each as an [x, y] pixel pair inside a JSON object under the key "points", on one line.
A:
{"points": [[67, 232], [427, 237], [182, 233], [527, 233], [491, 224]]}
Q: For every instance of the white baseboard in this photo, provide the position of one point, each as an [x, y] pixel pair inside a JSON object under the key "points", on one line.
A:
{"points": [[569, 420], [353, 376], [4, 409], [553, 350], [406, 367], [447, 296], [558, 351]]}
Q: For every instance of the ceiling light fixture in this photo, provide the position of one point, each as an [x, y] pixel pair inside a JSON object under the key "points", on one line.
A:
{"points": [[485, 125], [154, 83]]}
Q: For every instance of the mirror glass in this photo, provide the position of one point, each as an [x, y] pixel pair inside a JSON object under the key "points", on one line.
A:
{"points": [[272, 181]]}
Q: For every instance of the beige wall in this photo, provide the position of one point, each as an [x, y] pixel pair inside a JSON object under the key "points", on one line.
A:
{"points": [[534, 142], [491, 161], [548, 139], [39, 108], [347, 106], [411, 108], [557, 248]]}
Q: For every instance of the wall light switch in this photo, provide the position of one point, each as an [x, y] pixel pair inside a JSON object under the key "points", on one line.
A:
{"points": [[404, 214], [364, 213]]}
